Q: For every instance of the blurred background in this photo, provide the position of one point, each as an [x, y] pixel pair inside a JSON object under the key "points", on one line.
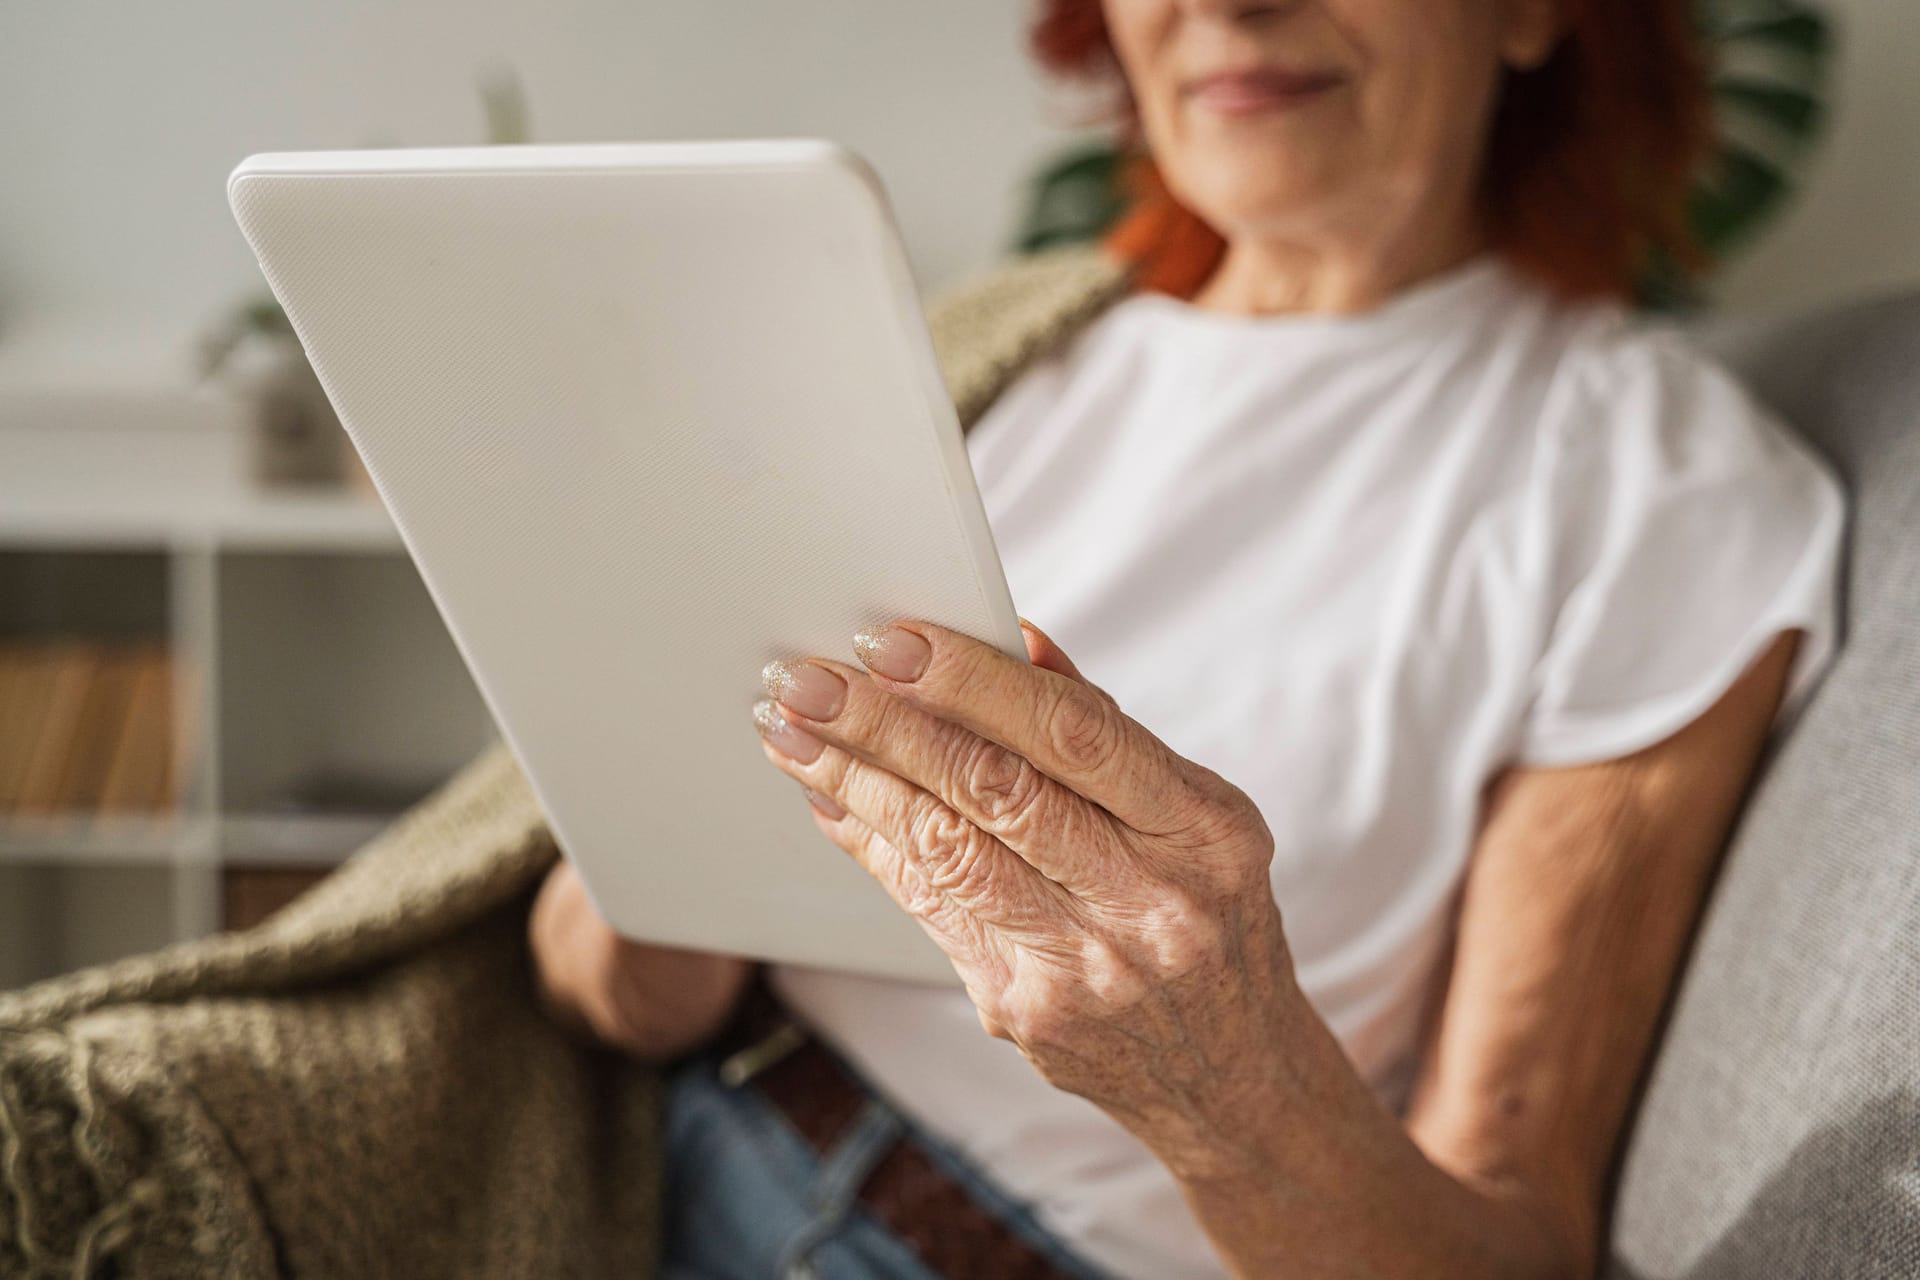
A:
{"points": [[218, 672]]}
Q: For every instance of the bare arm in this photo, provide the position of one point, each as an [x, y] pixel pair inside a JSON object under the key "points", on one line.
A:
{"points": [[1578, 906], [648, 1001], [1108, 905], [1575, 923]]}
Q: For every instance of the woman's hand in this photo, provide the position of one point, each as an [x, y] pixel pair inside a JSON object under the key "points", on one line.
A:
{"points": [[1105, 901], [648, 1001], [1107, 904]]}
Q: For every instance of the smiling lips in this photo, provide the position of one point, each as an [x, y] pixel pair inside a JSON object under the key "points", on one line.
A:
{"points": [[1257, 90]]}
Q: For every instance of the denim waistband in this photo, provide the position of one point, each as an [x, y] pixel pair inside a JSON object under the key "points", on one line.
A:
{"points": [[748, 1197]]}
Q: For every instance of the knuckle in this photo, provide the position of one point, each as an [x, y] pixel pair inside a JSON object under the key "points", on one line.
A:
{"points": [[1256, 863], [994, 1027], [1003, 784], [989, 1004], [915, 896], [1187, 940], [1110, 977], [1080, 729], [1202, 788], [877, 856], [1213, 812], [1235, 877], [1036, 1016], [953, 854], [1207, 799], [1047, 1004], [1246, 843]]}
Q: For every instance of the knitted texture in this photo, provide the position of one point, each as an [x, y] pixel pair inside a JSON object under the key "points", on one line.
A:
{"points": [[987, 330], [364, 1085]]}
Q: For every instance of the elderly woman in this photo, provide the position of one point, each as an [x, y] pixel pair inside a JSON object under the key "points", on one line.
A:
{"points": [[1427, 620]]}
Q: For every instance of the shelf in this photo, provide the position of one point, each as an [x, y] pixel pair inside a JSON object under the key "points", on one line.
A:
{"points": [[254, 840], [319, 690], [121, 487], [87, 839]]}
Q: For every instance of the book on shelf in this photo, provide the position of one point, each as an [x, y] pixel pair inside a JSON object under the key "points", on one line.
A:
{"points": [[102, 724], [53, 741], [140, 775], [86, 726], [26, 686]]}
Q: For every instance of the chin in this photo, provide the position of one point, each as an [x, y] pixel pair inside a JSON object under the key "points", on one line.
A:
{"points": [[1257, 196]]}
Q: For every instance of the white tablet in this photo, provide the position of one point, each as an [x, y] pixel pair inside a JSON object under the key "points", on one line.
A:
{"points": [[648, 416]]}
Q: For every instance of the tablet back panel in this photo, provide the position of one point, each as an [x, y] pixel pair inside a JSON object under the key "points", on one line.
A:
{"points": [[646, 417]]}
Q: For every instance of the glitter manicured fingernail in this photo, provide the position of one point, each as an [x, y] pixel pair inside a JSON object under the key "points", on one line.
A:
{"points": [[795, 743], [813, 691], [893, 652]]}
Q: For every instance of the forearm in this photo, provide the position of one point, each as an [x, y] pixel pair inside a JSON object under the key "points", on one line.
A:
{"points": [[1584, 888], [649, 1002], [1299, 1171]]}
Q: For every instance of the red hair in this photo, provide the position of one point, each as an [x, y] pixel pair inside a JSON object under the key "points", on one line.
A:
{"points": [[1588, 166]]}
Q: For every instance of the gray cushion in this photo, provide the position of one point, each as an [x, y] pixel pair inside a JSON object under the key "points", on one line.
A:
{"points": [[1780, 1132]]}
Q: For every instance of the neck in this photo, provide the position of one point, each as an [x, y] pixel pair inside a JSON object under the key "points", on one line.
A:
{"points": [[1261, 275]]}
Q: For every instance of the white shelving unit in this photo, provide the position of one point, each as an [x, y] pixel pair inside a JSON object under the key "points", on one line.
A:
{"points": [[305, 646]]}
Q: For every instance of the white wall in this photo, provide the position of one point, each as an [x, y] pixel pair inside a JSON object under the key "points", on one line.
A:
{"points": [[119, 120], [1856, 228]]}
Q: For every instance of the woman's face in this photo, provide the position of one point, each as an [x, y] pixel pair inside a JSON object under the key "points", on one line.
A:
{"points": [[1303, 119]]}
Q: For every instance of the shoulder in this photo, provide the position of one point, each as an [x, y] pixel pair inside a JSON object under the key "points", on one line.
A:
{"points": [[1641, 429], [1641, 398], [1662, 418], [1680, 524]]}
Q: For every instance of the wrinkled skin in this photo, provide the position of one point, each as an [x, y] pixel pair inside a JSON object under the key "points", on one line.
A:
{"points": [[1105, 901]]}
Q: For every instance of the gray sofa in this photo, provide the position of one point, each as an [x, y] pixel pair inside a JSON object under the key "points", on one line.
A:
{"points": [[1779, 1135]]}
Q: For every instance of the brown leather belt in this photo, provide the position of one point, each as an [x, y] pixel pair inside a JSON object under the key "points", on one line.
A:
{"points": [[936, 1217]]}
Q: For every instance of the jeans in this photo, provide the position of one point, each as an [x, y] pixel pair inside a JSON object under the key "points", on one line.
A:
{"points": [[748, 1199]]}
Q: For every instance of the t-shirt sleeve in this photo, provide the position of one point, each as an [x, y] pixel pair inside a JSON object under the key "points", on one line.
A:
{"points": [[1684, 528]]}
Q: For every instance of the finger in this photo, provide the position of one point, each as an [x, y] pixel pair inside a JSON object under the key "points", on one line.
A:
{"points": [[1043, 652], [1063, 725], [959, 861], [960, 937], [980, 957], [1065, 837]]}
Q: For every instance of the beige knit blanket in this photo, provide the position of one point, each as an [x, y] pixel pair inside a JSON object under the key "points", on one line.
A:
{"points": [[363, 1085]]}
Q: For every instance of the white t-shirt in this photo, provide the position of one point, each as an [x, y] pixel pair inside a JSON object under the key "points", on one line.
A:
{"points": [[1356, 564]]}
